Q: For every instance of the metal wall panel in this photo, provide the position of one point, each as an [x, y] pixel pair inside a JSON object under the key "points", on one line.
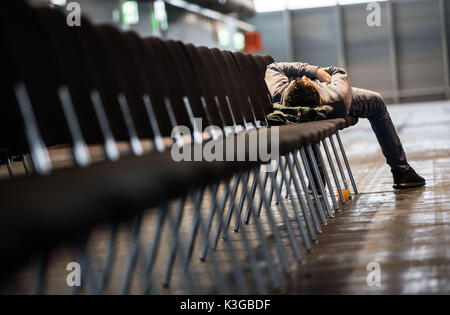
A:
{"points": [[315, 36], [367, 49], [183, 25], [447, 15], [100, 11], [417, 36], [191, 28], [418, 44], [316, 40], [273, 30]]}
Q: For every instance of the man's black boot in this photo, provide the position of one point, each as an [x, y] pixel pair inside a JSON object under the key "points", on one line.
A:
{"points": [[407, 179]]}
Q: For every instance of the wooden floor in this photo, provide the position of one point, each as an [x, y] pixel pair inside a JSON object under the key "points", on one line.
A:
{"points": [[406, 232]]}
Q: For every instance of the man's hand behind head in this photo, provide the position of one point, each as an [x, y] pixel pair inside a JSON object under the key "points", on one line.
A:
{"points": [[323, 76]]}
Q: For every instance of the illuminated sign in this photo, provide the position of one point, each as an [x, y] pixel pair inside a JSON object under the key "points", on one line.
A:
{"points": [[130, 12]]}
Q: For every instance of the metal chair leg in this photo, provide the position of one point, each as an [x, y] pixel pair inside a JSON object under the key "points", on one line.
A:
{"points": [[312, 235], [313, 185], [305, 237], [231, 207], [320, 184], [163, 213], [264, 246], [287, 223], [311, 207], [133, 255], [135, 144], [281, 179], [10, 168], [236, 270], [289, 178], [272, 189], [327, 178], [347, 164], [80, 150], [108, 261], [333, 171], [204, 250], [276, 234], [252, 260], [198, 198], [110, 146], [254, 266], [39, 278], [252, 195], [188, 278], [26, 166], [174, 245], [216, 272], [38, 150], [87, 276], [226, 193], [338, 161], [241, 204], [259, 207]]}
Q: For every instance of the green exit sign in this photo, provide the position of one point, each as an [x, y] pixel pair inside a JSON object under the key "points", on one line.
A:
{"points": [[130, 12]]}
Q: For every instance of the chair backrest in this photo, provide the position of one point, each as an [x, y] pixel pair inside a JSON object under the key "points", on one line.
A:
{"points": [[268, 60], [131, 89], [173, 89], [124, 69], [262, 64], [150, 72], [229, 86], [263, 91], [12, 137], [181, 65], [242, 93], [219, 87], [65, 49], [102, 77], [208, 88], [30, 63], [250, 81]]}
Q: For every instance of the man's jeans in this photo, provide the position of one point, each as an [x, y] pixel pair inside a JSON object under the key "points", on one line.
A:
{"points": [[370, 105]]}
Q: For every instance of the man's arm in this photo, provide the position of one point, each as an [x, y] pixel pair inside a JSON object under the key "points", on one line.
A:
{"points": [[323, 76], [340, 83], [278, 74]]}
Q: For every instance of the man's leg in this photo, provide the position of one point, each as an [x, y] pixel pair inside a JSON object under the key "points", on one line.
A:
{"points": [[370, 105]]}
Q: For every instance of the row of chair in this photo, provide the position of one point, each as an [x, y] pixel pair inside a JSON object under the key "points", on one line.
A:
{"points": [[95, 86]]}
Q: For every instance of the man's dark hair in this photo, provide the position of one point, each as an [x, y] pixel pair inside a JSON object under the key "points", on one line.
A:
{"points": [[302, 93]]}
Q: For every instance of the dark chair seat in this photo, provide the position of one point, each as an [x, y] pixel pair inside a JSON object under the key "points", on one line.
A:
{"points": [[295, 136], [54, 208]]}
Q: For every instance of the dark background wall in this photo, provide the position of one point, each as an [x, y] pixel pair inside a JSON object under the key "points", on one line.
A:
{"points": [[405, 65], [183, 25], [417, 39]]}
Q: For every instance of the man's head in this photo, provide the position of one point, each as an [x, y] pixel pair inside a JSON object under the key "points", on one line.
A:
{"points": [[302, 92]]}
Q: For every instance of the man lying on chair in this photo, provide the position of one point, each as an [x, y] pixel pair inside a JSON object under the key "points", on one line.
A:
{"points": [[301, 84]]}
